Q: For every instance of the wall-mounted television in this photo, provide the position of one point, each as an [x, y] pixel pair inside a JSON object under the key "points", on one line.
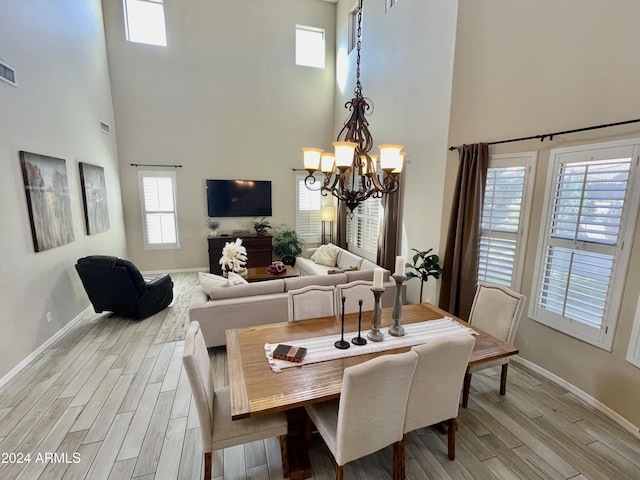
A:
{"points": [[238, 198]]}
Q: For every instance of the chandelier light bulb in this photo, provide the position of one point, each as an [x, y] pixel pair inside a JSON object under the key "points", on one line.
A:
{"points": [[327, 162], [344, 154], [311, 158], [390, 158]]}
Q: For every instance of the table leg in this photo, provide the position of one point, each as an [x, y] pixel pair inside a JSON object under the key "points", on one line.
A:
{"points": [[297, 445]]}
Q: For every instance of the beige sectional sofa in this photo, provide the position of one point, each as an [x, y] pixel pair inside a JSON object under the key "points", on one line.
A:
{"points": [[258, 303], [345, 261]]}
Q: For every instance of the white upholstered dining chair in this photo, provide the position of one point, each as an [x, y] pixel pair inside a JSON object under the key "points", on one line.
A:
{"points": [[497, 311], [434, 396], [369, 415], [311, 302], [214, 408], [354, 291]]}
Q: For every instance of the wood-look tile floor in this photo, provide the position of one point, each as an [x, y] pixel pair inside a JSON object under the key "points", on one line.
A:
{"points": [[113, 405]]}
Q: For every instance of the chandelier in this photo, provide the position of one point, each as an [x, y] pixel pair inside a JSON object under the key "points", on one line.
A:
{"points": [[352, 160]]}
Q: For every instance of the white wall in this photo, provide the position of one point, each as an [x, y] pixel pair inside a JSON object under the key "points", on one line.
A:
{"points": [[406, 69], [533, 67], [58, 50], [224, 99]]}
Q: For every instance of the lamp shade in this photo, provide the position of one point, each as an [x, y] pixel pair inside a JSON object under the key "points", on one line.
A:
{"points": [[328, 214], [327, 162], [344, 153], [311, 158], [390, 158]]}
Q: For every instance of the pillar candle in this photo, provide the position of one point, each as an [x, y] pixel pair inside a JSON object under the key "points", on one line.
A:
{"points": [[377, 277], [400, 266]]}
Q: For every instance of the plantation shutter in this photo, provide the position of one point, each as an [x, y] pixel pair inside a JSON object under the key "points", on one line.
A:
{"points": [[158, 209], [308, 211]]}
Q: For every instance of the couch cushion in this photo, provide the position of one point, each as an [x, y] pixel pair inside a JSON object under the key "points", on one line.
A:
{"points": [[209, 282], [306, 266], [298, 282], [235, 279], [348, 260], [365, 275], [326, 255], [248, 289], [367, 264]]}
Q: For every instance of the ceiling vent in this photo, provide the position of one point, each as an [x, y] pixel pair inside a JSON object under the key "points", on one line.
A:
{"points": [[105, 128], [8, 73]]}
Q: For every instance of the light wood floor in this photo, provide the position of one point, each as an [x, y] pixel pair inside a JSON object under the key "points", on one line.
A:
{"points": [[123, 405]]}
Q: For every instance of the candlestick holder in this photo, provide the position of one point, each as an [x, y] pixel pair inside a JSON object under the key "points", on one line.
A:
{"points": [[375, 335], [359, 340], [397, 330], [342, 344]]}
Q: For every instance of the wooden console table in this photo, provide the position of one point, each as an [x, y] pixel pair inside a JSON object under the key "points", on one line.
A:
{"points": [[258, 250]]}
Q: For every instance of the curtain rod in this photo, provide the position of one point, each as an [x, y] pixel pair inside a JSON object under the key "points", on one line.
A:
{"points": [[154, 165], [551, 135]]}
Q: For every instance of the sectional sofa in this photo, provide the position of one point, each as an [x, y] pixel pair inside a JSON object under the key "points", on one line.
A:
{"points": [[250, 304]]}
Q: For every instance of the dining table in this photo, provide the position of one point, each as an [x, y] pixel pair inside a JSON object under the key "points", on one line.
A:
{"points": [[256, 388]]}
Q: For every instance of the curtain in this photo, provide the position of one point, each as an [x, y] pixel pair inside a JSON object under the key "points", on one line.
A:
{"points": [[341, 225], [389, 232], [463, 241]]}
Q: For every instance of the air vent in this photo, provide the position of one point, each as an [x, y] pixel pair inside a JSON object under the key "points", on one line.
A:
{"points": [[8, 73], [105, 128]]}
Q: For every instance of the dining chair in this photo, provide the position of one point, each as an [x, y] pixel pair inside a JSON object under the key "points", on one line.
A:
{"points": [[369, 415], [435, 390], [311, 302], [214, 408], [354, 291], [497, 311]]}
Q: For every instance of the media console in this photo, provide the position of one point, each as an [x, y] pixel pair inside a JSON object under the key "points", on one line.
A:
{"points": [[258, 250]]}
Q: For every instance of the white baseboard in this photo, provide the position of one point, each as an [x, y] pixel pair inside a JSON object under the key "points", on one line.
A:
{"points": [[584, 396], [18, 368]]}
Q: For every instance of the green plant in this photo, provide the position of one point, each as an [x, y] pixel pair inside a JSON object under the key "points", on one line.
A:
{"points": [[261, 226], [286, 242], [213, 223], [424, 266]]}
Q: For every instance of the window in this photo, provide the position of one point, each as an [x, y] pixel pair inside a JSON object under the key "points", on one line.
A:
{"points": [[353, 27], [391, 3], [144, 22], [590, 210], [309, 46], [158, 205], [363, 229], [505, 216], [308, 210]]}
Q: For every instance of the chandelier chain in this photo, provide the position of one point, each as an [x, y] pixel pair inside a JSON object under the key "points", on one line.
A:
{"points": [[358, 88]]}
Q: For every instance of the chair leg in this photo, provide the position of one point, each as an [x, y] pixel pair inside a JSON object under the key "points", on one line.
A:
{"points": [[207, 465], [503, 379], [399, 471], [451, 438], [284, 453], [465, 389], [339, 472]]}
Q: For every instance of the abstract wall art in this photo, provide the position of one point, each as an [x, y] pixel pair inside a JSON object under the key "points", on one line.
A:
{"points": [[47, 188], [94, 198]]}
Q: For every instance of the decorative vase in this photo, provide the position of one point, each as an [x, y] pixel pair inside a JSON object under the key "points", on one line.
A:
{"points": [[289, 260]]}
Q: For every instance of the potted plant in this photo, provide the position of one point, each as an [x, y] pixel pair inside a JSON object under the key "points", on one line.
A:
{"points": [[213, 225], [287, 245], [424, 266], [261, 226]]}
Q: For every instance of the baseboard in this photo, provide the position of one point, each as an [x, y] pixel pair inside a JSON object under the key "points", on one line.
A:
{"points": [[582, 395], [56, 336]]}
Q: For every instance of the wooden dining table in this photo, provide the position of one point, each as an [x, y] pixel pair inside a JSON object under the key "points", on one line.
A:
{"points": [[257, 390]]}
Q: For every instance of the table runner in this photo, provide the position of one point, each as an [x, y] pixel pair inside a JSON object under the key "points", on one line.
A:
{"points": [[321, 349]]}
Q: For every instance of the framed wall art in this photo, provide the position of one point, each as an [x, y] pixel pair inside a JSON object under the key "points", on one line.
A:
{"points": [[47, 189], [94, 198]]}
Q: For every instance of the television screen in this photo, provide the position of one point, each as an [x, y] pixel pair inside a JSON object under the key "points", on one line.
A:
{"points": [[239, 198]]}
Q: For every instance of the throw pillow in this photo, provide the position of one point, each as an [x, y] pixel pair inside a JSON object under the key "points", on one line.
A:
{"points": [[209, 281], [326, 255], [235, 279]]}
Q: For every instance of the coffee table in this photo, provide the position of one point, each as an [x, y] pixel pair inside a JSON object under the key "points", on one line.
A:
{"points": [[260, 274]]}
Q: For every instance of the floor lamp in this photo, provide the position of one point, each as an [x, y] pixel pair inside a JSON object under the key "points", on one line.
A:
{"points": [[327, 215]]}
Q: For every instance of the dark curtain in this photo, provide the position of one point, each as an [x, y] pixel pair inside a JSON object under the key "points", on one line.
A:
{"points": [[341, 225], [389, 232], [463, 241]]}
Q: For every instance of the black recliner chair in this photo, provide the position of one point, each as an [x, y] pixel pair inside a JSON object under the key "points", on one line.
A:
{"points": [[117, 286]]}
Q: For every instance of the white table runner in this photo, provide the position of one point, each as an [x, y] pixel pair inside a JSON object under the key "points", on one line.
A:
{"points": [[321, 349]]}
